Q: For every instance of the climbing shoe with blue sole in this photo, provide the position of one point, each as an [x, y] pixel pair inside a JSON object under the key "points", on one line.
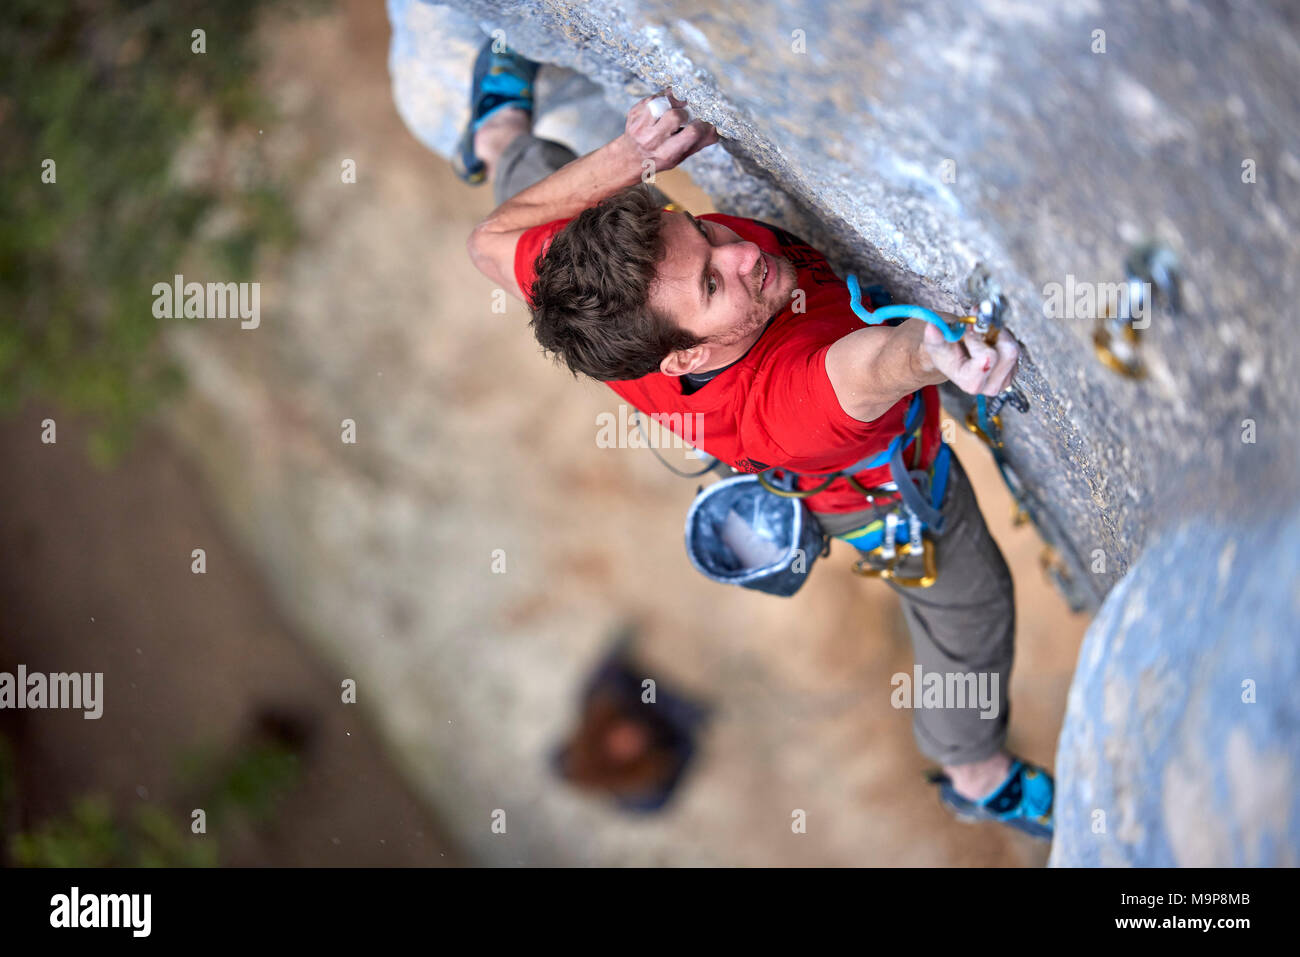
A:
{"points": [[501, 79], [1023, 801]]}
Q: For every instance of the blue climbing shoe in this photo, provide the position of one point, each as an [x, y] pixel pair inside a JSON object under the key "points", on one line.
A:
{"points": [[1022, 801], [500, 80]]}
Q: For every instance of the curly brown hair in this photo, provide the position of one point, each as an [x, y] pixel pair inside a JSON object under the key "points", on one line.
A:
{"points": [[591, 299]]}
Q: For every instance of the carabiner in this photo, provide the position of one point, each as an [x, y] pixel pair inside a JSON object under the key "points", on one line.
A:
{"points": [[929, 560]]}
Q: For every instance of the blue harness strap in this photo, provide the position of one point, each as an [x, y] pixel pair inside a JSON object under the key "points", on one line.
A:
{"points": [[912, 496], [899, 442], [871, 536]]}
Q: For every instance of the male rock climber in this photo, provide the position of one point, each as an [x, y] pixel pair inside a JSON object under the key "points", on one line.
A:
{"points": [[686, 314]]}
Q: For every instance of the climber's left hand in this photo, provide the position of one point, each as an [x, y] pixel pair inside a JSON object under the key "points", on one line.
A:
{"points": [[667, 140]]}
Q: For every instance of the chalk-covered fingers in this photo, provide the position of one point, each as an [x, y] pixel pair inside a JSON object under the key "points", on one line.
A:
{"points": [[666, 136], [1004, 369], [971, 364]]}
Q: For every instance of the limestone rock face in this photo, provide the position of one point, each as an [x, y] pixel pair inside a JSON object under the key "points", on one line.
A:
{"points": [[1047, 141], [1182, 739]]}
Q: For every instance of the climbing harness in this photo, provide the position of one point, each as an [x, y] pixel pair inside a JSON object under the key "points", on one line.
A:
{"points": [[917, 496], [879, 540]]}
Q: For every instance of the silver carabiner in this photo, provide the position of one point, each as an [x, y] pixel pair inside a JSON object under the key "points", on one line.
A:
{"points": [[887, 550], [914, 531]]}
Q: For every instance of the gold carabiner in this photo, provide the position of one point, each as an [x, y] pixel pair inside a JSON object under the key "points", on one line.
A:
{"points": [[973, 423], [929, 560], [1130, 366]]}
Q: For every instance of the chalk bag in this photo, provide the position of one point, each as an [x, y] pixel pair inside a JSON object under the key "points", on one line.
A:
{"points": [[737, 533]]}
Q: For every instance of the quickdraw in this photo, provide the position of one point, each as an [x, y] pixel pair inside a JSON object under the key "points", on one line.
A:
{"points": [[1152, 272], [984, 418], [883, 560], [984, 421]]}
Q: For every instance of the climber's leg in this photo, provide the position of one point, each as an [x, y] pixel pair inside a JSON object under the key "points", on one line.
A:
{"points": [[502, 147], [519, 159], [965, 623]]}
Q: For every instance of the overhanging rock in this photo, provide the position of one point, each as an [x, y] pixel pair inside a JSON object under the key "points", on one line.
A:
{"points": [[1048, 141]]}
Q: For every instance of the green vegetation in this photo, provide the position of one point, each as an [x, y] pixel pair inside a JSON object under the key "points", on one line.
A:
{"points": [[245, 792], [90, 836], [110, 91]]}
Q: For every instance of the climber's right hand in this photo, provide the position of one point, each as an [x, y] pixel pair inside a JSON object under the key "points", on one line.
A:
{"points": [[970, 363], [667, 140]]}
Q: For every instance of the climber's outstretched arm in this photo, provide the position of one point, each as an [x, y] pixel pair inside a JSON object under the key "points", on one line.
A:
{"points": [[873, 368], [664, 142]]}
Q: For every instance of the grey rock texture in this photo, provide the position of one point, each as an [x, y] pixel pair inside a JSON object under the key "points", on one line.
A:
{"points": [[911, 141], [1182, 737]]}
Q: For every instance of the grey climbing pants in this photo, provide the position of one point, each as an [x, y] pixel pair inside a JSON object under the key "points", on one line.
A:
{"points": [[962, 625]]}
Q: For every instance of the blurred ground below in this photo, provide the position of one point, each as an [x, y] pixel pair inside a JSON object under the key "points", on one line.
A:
{"points": [[95, 576]]}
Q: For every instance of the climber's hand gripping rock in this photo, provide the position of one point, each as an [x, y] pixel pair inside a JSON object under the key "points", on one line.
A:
{"points": [[971, 363]]}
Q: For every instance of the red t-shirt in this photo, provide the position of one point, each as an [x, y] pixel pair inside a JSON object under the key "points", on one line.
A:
{"points": [[776, 406]]}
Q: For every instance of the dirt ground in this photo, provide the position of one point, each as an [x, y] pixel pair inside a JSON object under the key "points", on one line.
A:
{"points": [[378, 556]]}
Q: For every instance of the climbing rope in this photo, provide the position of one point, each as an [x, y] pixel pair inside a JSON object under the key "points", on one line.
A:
{"points": [[952, 331], [713, 461]]}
